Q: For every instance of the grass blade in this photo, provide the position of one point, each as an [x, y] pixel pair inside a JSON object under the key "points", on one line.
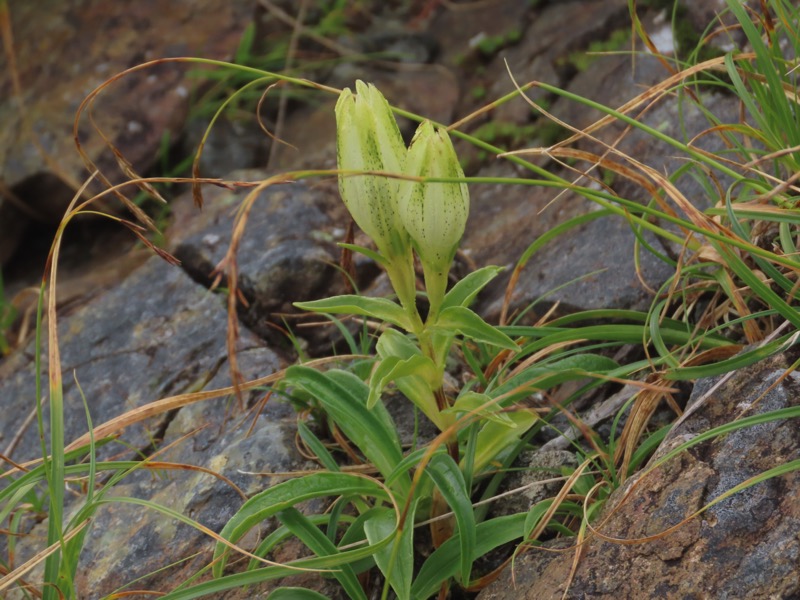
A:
{"points": [[319, 543]]}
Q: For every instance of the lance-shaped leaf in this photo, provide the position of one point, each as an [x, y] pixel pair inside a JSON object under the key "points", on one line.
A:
{"points": [[464, 292], [469, 324], [377, 308], [413, 373], [495, 437]]}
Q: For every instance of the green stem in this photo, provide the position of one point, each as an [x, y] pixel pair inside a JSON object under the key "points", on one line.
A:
{"points": [[435, 286], [400, 270]]}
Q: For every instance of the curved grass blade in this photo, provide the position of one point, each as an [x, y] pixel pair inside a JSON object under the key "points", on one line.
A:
{"points": [[281, 534], [344, 398], [317, 447], [743, 359], [294, 593], [286, 495], [319, 543], [775, 415], [629, 334], [554, 373]]}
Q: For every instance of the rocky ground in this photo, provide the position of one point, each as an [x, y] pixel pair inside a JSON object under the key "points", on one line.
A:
{"points": [[134, 329]]}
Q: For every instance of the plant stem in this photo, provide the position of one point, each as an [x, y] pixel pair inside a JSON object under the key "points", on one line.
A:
{"points": [[452, 441], [400, 270]]}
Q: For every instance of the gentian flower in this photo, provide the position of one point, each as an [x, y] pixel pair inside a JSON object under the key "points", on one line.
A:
{"points": [[434, 214], [368, 139]]}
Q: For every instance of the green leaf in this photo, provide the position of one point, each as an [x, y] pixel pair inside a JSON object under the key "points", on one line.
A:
{"points": [[535, 514], [544, 377], [279, 535], [317, 447], [286, 495], [360, 391], [318, 542], [449, 479], [464, 292], [344, 398], [295, 593], [411, 460], [469, 324], [444, 562], [671, 333], [415, 386], [393, 368], [495, 437], [419, 392], [738, 361], [376, 308], [393, 343], [365, 251], [474, 402], [441, 342], [396, 561]]}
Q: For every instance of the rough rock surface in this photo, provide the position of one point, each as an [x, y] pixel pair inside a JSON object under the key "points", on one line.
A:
{"points": [[506, 219], [289, 232], [64, 50], [209, 435], [155, 335], [744, 547], [535, 470]]}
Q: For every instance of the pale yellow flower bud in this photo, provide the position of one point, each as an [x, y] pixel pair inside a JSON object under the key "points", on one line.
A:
{"points": [[368, 139], [434, 214]]}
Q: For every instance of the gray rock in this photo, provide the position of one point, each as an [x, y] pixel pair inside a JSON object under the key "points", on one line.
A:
{"points": [[592, 266], [13, 223], [530, 468], [127, 541], [456, 30], [588, 267], [233, 144], [286, 254], [157, 334]]}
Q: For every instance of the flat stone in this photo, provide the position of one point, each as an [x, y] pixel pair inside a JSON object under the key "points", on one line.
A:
{"points": [[593, 266], [157, 334], [590, 266], [456, 29], [532, 471], [127, 541]]}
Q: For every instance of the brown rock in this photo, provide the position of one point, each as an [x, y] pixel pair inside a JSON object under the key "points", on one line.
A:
{"points": [[64, 50], [744, 547]]}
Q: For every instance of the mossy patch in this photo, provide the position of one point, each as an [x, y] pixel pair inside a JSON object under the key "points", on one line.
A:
{"points": [[490, 45], [581, 60]]}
